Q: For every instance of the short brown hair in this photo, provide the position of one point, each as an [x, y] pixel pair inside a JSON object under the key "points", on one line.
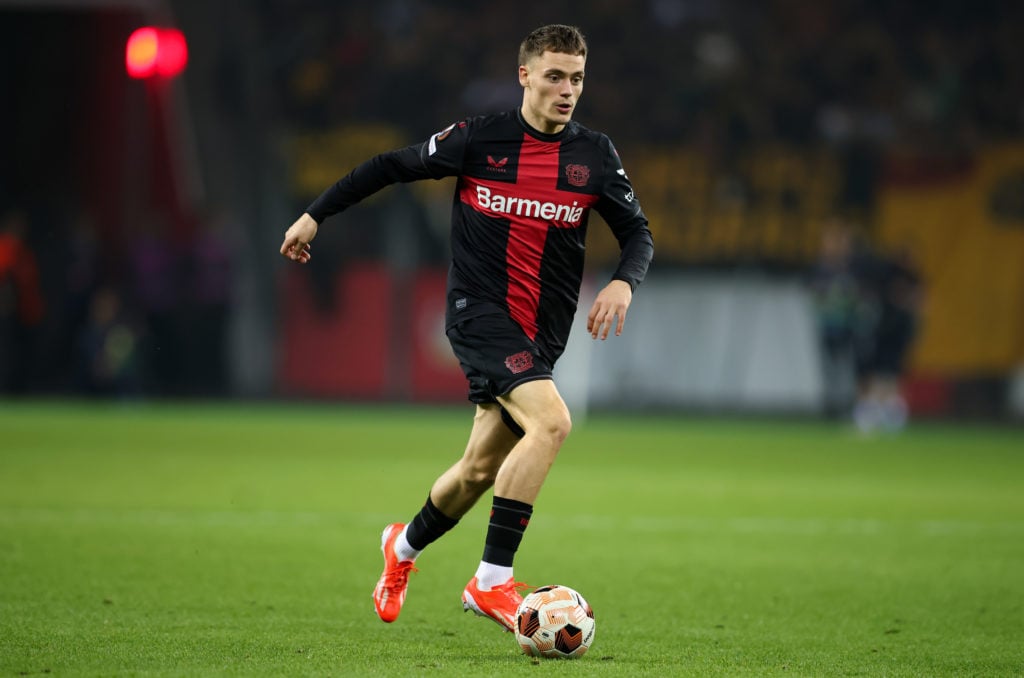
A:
{"points": [[553, 38]]}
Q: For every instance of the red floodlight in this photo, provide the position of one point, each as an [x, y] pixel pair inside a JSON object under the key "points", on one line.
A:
{"points": [[155, 51]]}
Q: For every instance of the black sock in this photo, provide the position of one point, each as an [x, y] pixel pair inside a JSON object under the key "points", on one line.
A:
{"points": [[428, 526], [509, 519]]}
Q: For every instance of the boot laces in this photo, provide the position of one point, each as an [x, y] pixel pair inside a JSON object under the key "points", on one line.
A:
{"points": [[397, 577]]}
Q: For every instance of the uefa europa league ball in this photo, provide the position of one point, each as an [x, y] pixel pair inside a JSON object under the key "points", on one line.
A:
{"points": [[555, 621]]}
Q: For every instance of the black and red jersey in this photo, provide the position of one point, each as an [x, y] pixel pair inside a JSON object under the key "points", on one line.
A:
{"points": [[519, 216]]}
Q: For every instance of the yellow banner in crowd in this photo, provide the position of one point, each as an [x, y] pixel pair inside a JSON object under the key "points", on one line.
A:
{"points": [[967, 235], [766, 206]]}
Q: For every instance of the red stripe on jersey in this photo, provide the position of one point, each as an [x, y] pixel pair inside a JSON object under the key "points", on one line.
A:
{"points": [[532, 205]]}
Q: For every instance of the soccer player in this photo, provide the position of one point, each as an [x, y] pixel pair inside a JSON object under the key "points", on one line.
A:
{"points": [[527, 180]]}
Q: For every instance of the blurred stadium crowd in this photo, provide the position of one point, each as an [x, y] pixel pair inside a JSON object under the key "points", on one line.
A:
{"points": [[851, 81], [705, 73]]}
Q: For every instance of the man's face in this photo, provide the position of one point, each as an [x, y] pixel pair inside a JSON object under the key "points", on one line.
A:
{"points": [[552, 84]]}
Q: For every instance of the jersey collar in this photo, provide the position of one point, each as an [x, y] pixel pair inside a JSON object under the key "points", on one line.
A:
{"points": [[533, 132]]}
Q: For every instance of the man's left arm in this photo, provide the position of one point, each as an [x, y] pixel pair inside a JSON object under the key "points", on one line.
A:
{"points": [[621, 210]]}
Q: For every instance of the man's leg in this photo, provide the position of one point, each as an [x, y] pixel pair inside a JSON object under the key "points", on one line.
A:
{"points": [[538, 408], [452, 495], [490, 442]]}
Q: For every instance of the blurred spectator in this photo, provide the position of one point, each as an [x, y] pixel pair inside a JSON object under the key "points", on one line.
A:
{"points": [[897, 294], [836, 291], [209, 277], [21, 301], [107, 348], [83, 265], [83, 271], [156, 284]]}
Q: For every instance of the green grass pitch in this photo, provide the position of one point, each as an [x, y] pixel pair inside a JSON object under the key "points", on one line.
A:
{"points": [[243, 540]]}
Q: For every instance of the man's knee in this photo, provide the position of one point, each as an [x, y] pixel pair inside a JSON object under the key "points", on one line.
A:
{"points": [[559, 425], [554, 425], [477, 475], [538, 408]]}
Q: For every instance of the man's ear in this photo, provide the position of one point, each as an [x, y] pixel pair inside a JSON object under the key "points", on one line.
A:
{"points": [[524, 75]]}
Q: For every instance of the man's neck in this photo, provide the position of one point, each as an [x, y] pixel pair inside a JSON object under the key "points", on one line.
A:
{"points": [[537, 125]]}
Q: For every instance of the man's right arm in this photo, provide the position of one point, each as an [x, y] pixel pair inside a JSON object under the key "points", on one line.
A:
{"points": [[362, 182], [429, 160], [382, 170]]}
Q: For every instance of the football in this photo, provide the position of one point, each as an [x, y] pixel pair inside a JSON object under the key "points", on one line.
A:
{"points": [[555, 621]]}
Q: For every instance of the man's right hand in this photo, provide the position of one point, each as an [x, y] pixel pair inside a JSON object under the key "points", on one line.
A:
{"points": [[297, 239]]}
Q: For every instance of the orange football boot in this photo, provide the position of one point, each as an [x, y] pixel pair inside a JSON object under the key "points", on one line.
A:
{"points": [[499, 604], [390, 592]]}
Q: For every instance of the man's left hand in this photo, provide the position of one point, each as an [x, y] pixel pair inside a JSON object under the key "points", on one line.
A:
{"points": [[611, 302]]}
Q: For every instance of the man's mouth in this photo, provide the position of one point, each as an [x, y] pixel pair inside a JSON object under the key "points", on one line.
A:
{"points": [[564, 108]]}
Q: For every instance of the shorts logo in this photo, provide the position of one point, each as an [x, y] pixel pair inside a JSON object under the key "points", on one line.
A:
{"points": [[578, 175], [519, 362]]}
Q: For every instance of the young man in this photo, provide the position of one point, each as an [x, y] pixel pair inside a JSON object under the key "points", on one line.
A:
{"points": [[527, 180]]}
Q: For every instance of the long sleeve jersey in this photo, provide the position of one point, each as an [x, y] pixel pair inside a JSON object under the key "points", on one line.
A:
{"points": [[519, 216]]}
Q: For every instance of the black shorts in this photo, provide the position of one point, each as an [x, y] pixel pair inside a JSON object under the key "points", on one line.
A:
{"points": [[496, 356]]}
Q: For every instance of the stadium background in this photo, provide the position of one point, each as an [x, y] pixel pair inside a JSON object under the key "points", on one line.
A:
{"points": [[154, 208]]}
